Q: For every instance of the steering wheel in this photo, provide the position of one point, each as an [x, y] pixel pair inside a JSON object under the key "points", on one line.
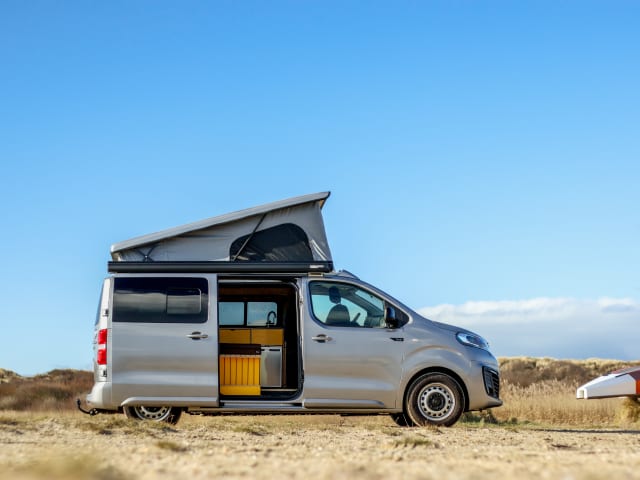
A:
{"points": [[272, 318]]}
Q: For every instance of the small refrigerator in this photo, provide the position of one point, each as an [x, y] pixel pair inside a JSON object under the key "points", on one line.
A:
{"points": [[271, 366]]}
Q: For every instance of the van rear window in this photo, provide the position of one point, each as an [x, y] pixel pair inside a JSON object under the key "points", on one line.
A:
{"points": [[160, 300]]}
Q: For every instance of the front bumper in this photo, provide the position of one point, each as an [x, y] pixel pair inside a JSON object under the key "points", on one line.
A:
{"points": [[484, 384]]}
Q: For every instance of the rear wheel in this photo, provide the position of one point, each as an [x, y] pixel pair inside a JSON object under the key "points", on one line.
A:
{"points": [[155, 414], [434, 399]]}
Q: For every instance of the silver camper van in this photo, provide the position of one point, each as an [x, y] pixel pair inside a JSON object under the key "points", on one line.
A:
{"points": [[244, 313]]}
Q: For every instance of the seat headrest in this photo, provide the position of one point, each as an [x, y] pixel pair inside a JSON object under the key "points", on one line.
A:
{"points": [[334, 295]]}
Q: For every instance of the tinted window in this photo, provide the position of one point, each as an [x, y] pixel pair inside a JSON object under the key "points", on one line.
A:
{"points": [[160, 300], [183, 301]]}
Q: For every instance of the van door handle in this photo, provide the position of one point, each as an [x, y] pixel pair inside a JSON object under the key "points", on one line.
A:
{"points": [[197, 335], [397, 339], [322, 338]]}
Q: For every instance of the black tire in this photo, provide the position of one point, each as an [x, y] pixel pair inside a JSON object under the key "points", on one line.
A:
{"points": [[401, 420], [434, 399], [154, 414]]}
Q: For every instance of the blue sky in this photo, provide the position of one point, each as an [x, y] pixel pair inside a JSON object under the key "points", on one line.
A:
{"points": [[482, 156]]}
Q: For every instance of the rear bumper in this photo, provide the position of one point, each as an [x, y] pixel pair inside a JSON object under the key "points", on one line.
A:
{"points": [[100, 396]]}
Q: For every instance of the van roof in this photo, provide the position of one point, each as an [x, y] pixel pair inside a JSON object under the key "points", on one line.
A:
{"points": [[281, 231]]}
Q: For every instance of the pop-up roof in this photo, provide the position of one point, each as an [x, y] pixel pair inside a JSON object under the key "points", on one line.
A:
{"points": [[286, 231]]}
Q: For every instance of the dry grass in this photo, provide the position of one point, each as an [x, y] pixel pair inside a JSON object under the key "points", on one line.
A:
{"points": [[542, 390], [68, 445], [67, 468], [554, 402], [524, 371], [53, 391], [629, 412], [542, 431]]}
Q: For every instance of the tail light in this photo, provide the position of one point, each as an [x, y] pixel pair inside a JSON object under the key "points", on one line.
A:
{"points": [[101, 356]]}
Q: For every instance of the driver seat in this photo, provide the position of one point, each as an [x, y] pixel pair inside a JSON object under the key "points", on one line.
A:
{"points": [[339, 314]]}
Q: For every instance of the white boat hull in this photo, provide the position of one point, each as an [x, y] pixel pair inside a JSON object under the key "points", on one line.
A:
{"points": [[621, 383]]}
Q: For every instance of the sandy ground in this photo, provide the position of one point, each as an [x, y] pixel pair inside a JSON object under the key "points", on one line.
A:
{"points": [[311, 447]]}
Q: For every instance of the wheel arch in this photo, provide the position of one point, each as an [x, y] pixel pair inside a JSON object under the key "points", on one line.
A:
{"points": [[437, 369], [166, 414]]}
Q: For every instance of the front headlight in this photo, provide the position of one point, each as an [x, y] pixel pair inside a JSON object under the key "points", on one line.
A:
{"points": [[472, 340]]}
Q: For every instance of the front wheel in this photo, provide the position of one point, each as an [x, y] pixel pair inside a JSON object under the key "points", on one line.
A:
{"points": [[434, 399], [155, 414]]}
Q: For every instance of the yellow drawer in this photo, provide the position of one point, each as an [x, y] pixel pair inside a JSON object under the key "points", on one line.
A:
{"points": [[267, 336], [234, 335]]}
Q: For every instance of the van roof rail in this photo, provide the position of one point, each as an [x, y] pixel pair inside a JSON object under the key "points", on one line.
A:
{"points": [[220, 267]]}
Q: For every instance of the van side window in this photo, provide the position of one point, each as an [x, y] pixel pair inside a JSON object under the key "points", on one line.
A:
{"points": [[261, 314], [183, 301], [248, 313], [160, 300], [231, 313], [343, 305]]}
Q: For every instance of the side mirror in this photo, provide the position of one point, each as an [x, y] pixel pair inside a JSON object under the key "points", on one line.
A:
{"points": [[390, 317]]}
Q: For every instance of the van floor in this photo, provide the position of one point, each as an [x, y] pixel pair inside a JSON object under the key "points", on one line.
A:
{"points": [[270, 394]]}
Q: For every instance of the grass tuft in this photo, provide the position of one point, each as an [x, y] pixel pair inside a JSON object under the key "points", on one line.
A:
{"points": [[415, 442], [171, 446], [67, 468], [629, 412], [11, 421], [484, 417], [257, 430]]}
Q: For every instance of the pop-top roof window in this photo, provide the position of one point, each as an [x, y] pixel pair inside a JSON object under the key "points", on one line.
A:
{"points": [[282, 243]]}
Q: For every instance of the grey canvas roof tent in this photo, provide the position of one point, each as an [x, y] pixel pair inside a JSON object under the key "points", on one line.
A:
{"points": [[287, 235]]}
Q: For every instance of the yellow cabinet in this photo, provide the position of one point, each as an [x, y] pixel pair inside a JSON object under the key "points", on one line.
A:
{"points": [[235, 335], [240, 374], [267, 336], [260, 336]]}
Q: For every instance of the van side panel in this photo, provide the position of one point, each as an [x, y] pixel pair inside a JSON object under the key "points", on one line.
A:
{"points": [[170, 353]]}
